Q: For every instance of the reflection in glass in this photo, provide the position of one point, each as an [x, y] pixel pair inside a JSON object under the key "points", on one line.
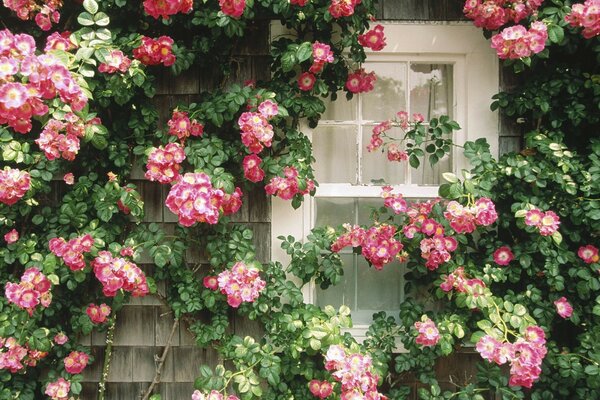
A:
{"points": [[335, 151], [334, 211], [389, 95], [341, 109], [431, 89], [379, 290], [343, 293], [376, 169]]}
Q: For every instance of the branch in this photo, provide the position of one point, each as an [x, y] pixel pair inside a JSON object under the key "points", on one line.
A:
{"points": [[110, 335], [161, 362]]}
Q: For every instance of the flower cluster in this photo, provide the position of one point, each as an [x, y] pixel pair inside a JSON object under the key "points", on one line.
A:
{"points": [[546, 222], [59, 389], [321, 54], [525, 355], [378, 244], [320, 389], [518, 42], [418, 213], [492, 14], [194, 199], [44, 15], [466, 219], [155, 51], [33, 289], [360, 82], [589, 254], [56, 144], [166, 8], [252, 170], [587, 16], [59, 41], [14, 184], [428, 333], [563, 307], [342, 8], [378, 130], [256, 130], [241, 284], [76, 362], [98, 314], [115, 273], [213, 395], [72, 251], [182, 127], [459, 282], [14, 357], [354, 372], [503, 255], [288, 186], [27, 80], [115, 61], [374, 39], [233, 8], [164, 163], [436, 250], [395, 202]]}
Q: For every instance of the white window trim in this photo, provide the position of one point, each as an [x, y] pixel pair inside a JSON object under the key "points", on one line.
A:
{"points": [[476, 80]]}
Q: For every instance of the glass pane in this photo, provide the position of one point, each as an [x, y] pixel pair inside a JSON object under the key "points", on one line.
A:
{"points": [[389, 95], [376, 169], [365, 208], [428, 175], [431, 89], [342, 293], [335, 151], [341, 109], [334, 211], [378, 290]]}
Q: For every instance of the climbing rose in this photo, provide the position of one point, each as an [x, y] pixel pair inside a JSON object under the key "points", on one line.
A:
{"points": [[233, 8], [164, 163], [12, 236], [155, 51], [320, 389], [288, 186], [342, 8], [306, 81], [394, 201], [115, 273], [33, 289], [210, 282], [60, 338], [241, 284], [321, 54], [360, 82], [589, 254], [252, 170], [563, 307], [428, 332], [98, 314], [213, 395], [13, 185], [373, 39], [586, 16], [59, 389], [115, 61], [517, 42], [182, 127], [166, 8], [69, 178], [71, 252], [75, 362], [59, 41], [256, 131], [547, 223], [503, 255]]}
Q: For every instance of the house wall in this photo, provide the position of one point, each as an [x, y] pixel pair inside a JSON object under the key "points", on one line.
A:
{"points": [[144, 325]]}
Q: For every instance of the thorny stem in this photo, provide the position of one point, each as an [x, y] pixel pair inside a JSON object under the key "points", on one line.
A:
{"points": [[110, 335]]}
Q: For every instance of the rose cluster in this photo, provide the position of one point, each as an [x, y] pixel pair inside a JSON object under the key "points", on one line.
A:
{"points": [[459, 282], [525, 355], [44, 15], [240, 284], [115, 273], [360, 81], [256, 130], [213, 395], [60, 139], [76, 362], [252, 170], [395, 202], [518, 42], [98, 314], [164, 163], [14, 184], [418, 213], [155, 51], [466, 219], [373, 39], [33, 289], [71, 252], [492, 14], [233, 8], [194, 199], [586, 16], [182, 127], [321, 54], [342, 8], [288, 186], [14, 357], [428, 333], [166, 8], [436, 250], [320, 389], [115, 61], [59, 389], [27, 80], [378, 130], [354, 372], [59, 41], [546, 222]]}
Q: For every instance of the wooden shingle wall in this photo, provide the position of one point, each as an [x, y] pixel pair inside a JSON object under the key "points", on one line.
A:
{"points": [[144, 325]]}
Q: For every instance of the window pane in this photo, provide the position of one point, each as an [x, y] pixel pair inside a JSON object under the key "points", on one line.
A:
{"points": [[377, 290], [428, 175], [365, 208], [335, 151], [341, 109], [342, 293], [334, 211], [389, 95], [431, 89], [376, 169]]}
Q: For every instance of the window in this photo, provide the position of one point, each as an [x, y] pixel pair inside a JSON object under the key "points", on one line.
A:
{"points": [[429, 69]]}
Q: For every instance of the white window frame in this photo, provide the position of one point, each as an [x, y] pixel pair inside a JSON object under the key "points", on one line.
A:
{"points": [[476, 80]]}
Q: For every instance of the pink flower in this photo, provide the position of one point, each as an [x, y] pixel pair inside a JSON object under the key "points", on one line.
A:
{"points": [[240, 283], [549, 223], [13, 185], [394, 201], [181, 126], [342, 8], [428, 332], [360, 82], [210, 282], [268, 109], [98, 314], [533, 217], [166, 8], [306, 81], [60, 338], [487, 347], [119, 274], [59, 389], [12, 236], [155, 51], [394, 153], [563, 308], [72, 252], [233, 8], [164, 163], [69, 178], [31, 291], [75, 362], [320, 389], [503, 255], [256, 131], [288, 186], [589, 254], [373, 39], [252, 170], [586, 16], [517, 42]]}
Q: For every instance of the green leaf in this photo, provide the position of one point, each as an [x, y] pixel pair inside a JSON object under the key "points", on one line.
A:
{"points": [[288, 60], [85, 19], [90, 6], [304, 51], [556, 34], [101, 19], [450, 177]]}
